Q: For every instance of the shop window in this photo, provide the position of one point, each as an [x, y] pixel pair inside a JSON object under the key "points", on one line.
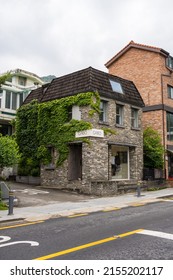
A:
{"points": [[119, 162]]}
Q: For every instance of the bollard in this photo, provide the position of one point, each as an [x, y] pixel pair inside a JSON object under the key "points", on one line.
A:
{"points": [[11, 200], [138, 189]]}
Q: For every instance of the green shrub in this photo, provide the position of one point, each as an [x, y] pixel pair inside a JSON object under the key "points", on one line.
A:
{"points": [[153, 149], [9, 151]]}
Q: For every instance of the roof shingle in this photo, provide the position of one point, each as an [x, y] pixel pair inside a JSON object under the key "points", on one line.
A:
{"points": [[86, 80]]}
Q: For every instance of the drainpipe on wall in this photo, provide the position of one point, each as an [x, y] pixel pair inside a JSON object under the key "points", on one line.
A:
{"points": [[163, 119]]}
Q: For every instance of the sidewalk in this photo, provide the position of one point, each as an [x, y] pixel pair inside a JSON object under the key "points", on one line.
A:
{"points": [[85, 205]]}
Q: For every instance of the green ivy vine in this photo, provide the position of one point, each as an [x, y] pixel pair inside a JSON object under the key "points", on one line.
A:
{"points": [[43, 125]]}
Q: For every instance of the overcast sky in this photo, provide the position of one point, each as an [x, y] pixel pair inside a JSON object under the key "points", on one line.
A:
{"points": [[61, 36]]}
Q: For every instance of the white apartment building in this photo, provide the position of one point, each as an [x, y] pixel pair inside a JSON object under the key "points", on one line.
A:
{"points": [[12, 94]]}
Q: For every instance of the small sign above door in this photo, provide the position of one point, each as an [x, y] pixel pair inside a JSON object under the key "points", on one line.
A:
{"points": [[90, 133]]}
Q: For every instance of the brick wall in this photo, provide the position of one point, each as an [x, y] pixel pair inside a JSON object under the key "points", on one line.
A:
{"points": [[143, 68], [153, 119], [149, 73]]}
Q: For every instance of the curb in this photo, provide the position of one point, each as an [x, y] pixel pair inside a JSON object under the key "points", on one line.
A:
{"points": [[84, 211]]}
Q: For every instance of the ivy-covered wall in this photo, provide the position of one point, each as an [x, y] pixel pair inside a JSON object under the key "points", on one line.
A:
{"points": [[43, 125]]}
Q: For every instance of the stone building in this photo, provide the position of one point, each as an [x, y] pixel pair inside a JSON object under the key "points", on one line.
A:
{"points": [[151, 69], [109, 162]]}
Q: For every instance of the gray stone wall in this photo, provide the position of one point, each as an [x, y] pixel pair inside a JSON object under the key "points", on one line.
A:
{"points": [[96, 159]]}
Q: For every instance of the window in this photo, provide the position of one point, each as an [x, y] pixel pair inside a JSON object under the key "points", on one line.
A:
{"points": [[6, 129], [14, 101], [134, 118], [170, 92], [103, 111], [8, 99], [22, 97], [119, 114], [169, 126], [169, 62], [9, 79], [1, 92], [11, 100], [74, 113], [116, 86], [119, 162], [69, 113], [22, 81]]}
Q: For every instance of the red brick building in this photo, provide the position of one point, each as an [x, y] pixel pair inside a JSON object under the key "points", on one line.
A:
{"points": [[151, 69]]}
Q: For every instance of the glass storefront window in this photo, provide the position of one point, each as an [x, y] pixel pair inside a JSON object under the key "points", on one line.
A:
{"points": [[119, 162]]}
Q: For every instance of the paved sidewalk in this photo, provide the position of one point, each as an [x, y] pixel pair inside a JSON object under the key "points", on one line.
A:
{"points": [[86, 205]]}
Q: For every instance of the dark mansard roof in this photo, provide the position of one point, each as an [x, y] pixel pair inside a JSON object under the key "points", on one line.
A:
{"points": [[86, 80]]}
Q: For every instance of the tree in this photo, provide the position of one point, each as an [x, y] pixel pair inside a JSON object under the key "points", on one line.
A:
{"points": [[9, 152], [153, 149], [4, 77]]}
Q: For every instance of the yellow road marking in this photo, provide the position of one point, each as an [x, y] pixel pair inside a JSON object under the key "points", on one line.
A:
{"points": [[87, 245], [21, 225], [78, 215], [111, 209], [137, 204]]}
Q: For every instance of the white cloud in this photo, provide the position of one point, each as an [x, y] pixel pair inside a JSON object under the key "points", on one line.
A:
{"points": [[58, 37]]}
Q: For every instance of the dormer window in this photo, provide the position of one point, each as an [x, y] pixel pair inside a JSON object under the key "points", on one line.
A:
{"points": [[116, 86]]}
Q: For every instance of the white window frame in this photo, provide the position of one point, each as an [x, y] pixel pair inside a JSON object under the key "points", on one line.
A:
{"points": [[11, 100], [103, 110], [128, 164], [116, 86], [120, 115], [135, 118]]}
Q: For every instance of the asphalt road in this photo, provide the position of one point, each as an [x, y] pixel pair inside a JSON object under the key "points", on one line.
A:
{"points": [[132, 233]]}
